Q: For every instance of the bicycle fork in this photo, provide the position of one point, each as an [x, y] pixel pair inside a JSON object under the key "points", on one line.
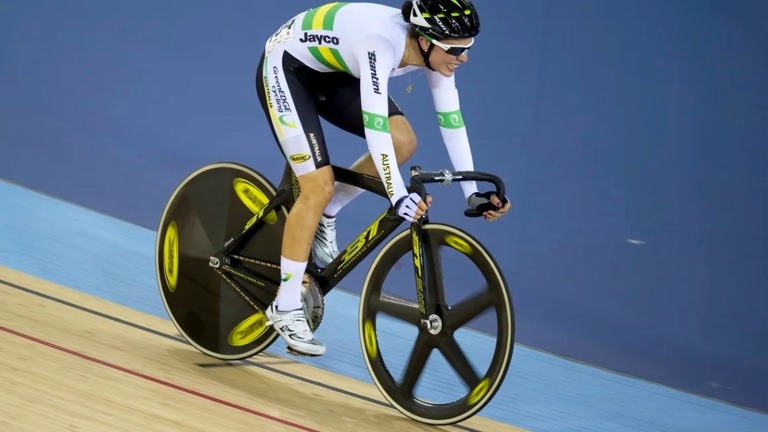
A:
{"points": [[428, 281]]}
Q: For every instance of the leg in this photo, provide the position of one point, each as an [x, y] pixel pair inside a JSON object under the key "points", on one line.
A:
{"points": [[294, 122], [316, 192]]}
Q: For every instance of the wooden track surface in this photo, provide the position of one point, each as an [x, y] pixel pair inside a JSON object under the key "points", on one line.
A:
{"points": [[70, 361]]}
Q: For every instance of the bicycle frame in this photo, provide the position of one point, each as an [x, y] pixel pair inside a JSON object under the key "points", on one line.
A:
{"points": [[429, 294], [287, 193]]}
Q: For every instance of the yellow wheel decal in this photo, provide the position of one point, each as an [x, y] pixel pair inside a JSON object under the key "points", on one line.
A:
{"points": [[171, 256], [253, 198], [248, 331], [459, 244], [370, 339], [479, 391]]}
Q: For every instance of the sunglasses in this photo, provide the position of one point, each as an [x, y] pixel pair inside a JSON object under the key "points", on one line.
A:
{"points": [[454, 50]]}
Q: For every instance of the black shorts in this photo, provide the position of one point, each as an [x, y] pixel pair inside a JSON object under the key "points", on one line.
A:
{"points": [[295, 96]]}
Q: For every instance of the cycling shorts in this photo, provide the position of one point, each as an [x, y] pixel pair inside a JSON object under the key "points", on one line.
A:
{"points": [[294, 98]]}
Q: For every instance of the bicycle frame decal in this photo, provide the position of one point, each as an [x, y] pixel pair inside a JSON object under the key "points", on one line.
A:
{"points": [[296, 187], [258, 216], [254, 199], [479, 391], [248, 331], [359, 244], [249, 278], [171, 256], [417, 268], [458, 244]]}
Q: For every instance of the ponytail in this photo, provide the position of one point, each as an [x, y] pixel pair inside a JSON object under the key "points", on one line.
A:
{"points": [[406, 10]]}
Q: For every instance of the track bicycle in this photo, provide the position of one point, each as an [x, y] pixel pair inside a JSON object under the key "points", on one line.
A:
{"points": [[217, 261]]}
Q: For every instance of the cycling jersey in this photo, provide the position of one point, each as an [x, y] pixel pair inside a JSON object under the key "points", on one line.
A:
{"points": [[365, 41]]}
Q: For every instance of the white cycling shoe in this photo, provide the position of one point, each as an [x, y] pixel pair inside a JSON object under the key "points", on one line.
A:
{"points": [[294, 329], [324, 247]]}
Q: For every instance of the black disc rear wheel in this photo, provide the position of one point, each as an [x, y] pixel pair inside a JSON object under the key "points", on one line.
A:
{"points": [[217, 311]]}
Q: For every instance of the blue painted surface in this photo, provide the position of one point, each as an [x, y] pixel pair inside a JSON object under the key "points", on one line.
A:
{"points": [[630, 132], [100, 255]]}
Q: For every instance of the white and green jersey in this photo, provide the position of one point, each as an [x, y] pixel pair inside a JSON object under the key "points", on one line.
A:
{"points": [[366, 41]]}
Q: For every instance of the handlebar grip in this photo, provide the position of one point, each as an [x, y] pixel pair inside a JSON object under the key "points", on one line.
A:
{"points": [[418, 186], [418, 178], [482, 208], [473, 213], [500, 193]]}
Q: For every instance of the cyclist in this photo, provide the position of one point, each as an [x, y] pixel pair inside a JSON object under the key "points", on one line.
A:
{"points": [[335, 62]]}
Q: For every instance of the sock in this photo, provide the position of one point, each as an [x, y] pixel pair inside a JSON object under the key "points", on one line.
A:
{"points": [[343, 194], [289, 295]]}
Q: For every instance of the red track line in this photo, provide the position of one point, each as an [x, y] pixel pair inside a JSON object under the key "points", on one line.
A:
{"points": [[157, 380]]}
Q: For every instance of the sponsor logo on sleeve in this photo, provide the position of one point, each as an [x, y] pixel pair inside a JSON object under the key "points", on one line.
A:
{"points": [[374, 75], [387, 170]]}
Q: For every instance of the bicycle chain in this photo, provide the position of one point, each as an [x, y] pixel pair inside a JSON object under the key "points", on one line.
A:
{"points": [[255, 261], [238, 289], [307, 279]]}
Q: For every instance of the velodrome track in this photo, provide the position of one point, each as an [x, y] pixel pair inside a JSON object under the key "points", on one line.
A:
{"points": [[86, 345]]}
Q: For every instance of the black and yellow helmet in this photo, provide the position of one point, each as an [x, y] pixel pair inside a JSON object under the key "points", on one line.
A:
{"points": [[445, 19]]}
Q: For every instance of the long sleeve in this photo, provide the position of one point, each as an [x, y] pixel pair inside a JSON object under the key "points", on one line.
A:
{"points": [[376, 58], [452, 128]]}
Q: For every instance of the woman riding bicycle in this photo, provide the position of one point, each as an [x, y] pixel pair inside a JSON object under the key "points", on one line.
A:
{"points": [[335, 62]]}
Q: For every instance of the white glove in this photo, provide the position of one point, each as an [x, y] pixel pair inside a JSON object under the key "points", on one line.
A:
{"points": [[406, 206]]}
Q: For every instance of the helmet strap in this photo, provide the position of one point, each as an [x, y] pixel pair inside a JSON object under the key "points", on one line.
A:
{"points": [[425, 54]]}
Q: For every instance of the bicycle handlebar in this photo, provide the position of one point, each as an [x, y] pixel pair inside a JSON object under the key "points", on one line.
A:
{"points": [[419, 178]]}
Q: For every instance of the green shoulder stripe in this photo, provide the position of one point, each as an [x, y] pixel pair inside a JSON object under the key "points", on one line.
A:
{"points": [[321, 18]]}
